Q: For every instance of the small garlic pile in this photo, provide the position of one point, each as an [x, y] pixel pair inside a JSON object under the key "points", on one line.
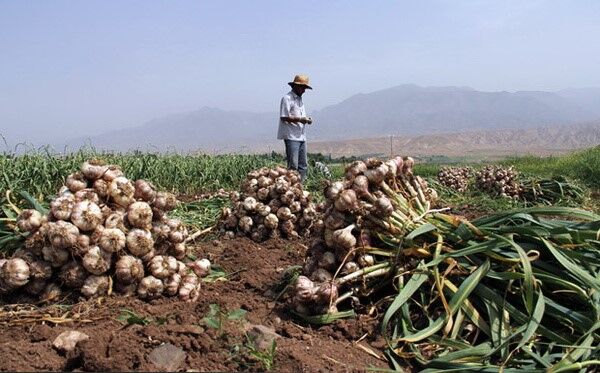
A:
{"points": [[104, 232], [272, 203], [499, 181], [456, 178], [369, 198]]}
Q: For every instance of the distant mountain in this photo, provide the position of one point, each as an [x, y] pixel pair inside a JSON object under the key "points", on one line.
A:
{"points": [[471, 144], [589, 98], [413, 110], [209, 129], [406, 110]]}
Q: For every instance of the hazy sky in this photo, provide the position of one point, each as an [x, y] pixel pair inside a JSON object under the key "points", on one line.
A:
{"points": [[78, 67]]}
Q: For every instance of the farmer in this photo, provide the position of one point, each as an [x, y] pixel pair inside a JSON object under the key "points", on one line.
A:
{"points": [[292, 122]]}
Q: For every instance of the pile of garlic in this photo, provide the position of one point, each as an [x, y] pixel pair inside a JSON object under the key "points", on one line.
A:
{"points": [[104, 232], [356, 208], [272, 203]]}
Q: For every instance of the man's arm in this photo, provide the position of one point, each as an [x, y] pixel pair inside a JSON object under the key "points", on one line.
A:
{"points": [[296, 120], [284, 114]]}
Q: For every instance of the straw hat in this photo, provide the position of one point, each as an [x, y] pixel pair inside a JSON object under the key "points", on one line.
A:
{"points": [[300, 80]]}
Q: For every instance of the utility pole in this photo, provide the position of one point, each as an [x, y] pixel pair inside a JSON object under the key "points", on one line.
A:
{"points": [[391, 146]]}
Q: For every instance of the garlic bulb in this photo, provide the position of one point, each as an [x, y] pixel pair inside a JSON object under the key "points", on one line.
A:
{"points": [[121, 190], [115, 220], [333, 190], [73, 275], [343, 238], [112, 172], [112, 240], [178, 250], [321, 275], [15, 272], [366, 260], [51, 292], [177, 231], [349, 267], [148, 256], [93, 169], [86, 215], [284, 213], [35, 242], [263, 210], [97, 261], [144, 190], [150, 287], [271, 221], [40, 270], [295, 207], [190, 286], [62, 234], [287, 198], [139, 215], [94, 286], [87, 194], [165, 201], [201, 267], [101, 187], [160, 230], [126, 290], [76, 182], [245, 223], [287, 228], [129, 269], [57, 257], [82, 245], [263, 194], [171, 284], [163, 266], [304, 289], [407, 166], [29, 220], [346, 201], [327, 293], [62, 206], [327, 260], [139, 242], [309, 213], [35, 287], [249, 204]]}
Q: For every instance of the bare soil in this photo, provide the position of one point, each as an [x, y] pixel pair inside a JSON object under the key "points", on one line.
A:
{"points": [[350, 345]]}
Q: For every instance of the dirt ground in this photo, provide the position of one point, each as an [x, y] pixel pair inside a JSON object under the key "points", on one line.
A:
{"points": [[350, 345]]}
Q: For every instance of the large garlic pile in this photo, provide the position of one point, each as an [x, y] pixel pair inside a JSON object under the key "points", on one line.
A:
{"points": [[103, 232], [271, 203], [499, 181], [456, 178], [365, 201]]}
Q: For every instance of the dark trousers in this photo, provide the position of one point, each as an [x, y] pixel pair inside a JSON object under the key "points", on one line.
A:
{"points": [[295, 152]]}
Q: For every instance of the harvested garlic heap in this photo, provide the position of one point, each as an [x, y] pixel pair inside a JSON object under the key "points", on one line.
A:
{"points": [[272, 204], [499, 181], [336, 264], [103, 232], [456, 178]]}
